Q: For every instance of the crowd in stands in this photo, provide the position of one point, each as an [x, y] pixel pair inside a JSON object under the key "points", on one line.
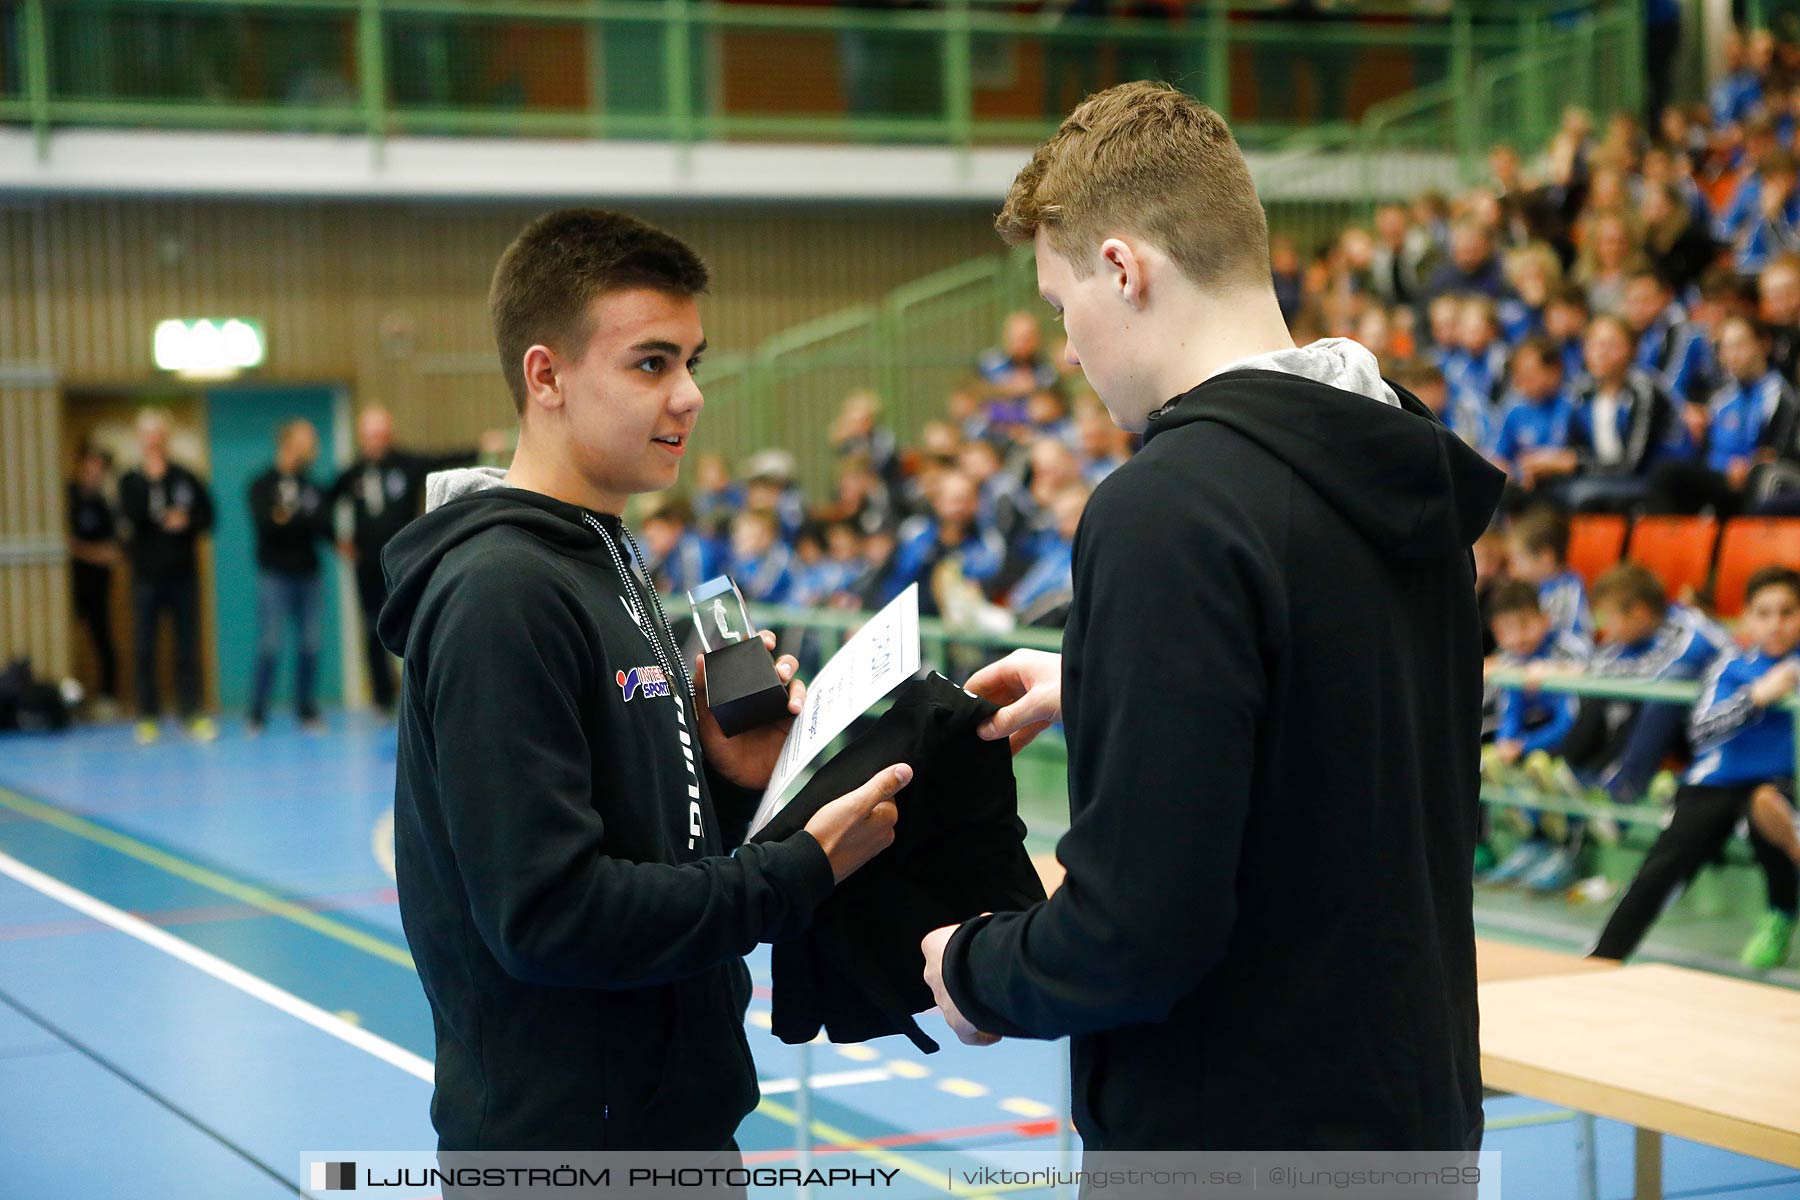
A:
{"points": [[981, 513]]}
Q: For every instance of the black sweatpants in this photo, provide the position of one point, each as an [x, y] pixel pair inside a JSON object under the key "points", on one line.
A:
{"points": [[93, 608], [371, 594], [1703, 821]]}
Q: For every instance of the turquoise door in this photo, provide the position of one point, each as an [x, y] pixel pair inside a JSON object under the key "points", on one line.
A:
{"points": [[241, 424]]}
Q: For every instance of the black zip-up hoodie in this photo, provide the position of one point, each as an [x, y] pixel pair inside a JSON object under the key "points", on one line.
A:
{"points": [[1272, 693], [565, 860]]}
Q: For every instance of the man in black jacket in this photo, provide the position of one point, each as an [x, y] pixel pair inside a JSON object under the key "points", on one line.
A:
{"points": [[568, 815], [385, 488], [290, 515], [166, 509], [1271, 685]]}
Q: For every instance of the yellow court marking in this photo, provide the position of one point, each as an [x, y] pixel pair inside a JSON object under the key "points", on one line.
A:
{"points": [[1020, 1106], [857, 1052], [905, 1068], [761, 1019], [205, 877], [966, 1088]]}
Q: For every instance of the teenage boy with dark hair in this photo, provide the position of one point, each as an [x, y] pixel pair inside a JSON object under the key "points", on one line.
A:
{"points": [[1274, 602], [568, 813], [1743, 739]]}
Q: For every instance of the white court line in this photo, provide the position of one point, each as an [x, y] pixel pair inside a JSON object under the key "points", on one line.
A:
{"points": [[218, 968], [775, 1087]]}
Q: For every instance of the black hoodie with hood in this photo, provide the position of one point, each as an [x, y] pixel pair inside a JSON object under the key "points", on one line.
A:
{"points": [[1271, 684], [565, 860]]}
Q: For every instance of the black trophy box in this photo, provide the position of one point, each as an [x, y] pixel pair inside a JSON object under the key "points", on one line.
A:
{"points": [[742, 688]]}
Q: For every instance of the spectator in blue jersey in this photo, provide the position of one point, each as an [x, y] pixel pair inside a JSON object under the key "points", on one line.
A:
{"points": [[1771, 227], [858, 431], [1464, 410], [1534, 420], [1473, 268], [1003, 503], [770, 487], [1738, 93], [1537, 548], [835, 578], [1621, 425], [951, 531], [1743, 739], [1041, 597], [1670, 348], [1778, 306], [1748, 418], [1014, 369], [860, 497], [1535, 274], [1532, 722], [1047, 415], [1051, 467], [716, 495], [1102, 446], [1565, 323], [1476, 373], [761, 563], [681, 558]]}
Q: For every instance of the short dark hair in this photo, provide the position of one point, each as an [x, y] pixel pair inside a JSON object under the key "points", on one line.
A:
{"points": [[1768, 577], [1572, 294], [1543, 348], [1630, 583], [1515, 595], [1542, 529], [559, 263]]}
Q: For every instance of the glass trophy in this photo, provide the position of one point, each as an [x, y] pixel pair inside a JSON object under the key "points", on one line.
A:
{"points": [[742, 689]]}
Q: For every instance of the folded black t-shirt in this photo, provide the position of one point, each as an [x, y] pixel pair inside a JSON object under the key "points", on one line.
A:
{"points": [[959, 851]]}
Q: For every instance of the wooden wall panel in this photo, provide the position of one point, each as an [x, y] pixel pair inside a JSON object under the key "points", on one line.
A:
{"points": [[387, 299]]}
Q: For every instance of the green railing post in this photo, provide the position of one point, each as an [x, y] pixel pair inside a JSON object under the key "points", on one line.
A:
{"points": [[1218, 56], [1532, 130], [37, 75], [959, 75], [678, 72], [1462, 79], [1632, 99], [371, 62]]}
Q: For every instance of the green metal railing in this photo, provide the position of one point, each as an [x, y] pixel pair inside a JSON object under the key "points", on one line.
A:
{"points": [[1665, 692], [956, 652], [911, 348], [955, 72]]}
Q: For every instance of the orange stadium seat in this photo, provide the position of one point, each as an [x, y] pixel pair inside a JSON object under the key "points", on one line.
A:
{"points": [[1595, 543], [1749, 544], [1678, 550]]}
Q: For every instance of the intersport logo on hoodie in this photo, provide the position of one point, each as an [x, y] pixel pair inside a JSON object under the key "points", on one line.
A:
{"points": [[649, 682]]}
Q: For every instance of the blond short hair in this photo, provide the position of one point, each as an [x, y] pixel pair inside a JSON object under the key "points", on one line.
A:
{"points": [[1146, 159]]}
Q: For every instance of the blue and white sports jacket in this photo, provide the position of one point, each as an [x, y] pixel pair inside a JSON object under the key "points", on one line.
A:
{"points": [[1541, 720], [1735, 741], [1563, 598]]}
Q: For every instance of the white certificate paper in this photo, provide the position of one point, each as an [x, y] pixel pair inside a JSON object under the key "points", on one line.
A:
{"points": [[881, 656]]}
